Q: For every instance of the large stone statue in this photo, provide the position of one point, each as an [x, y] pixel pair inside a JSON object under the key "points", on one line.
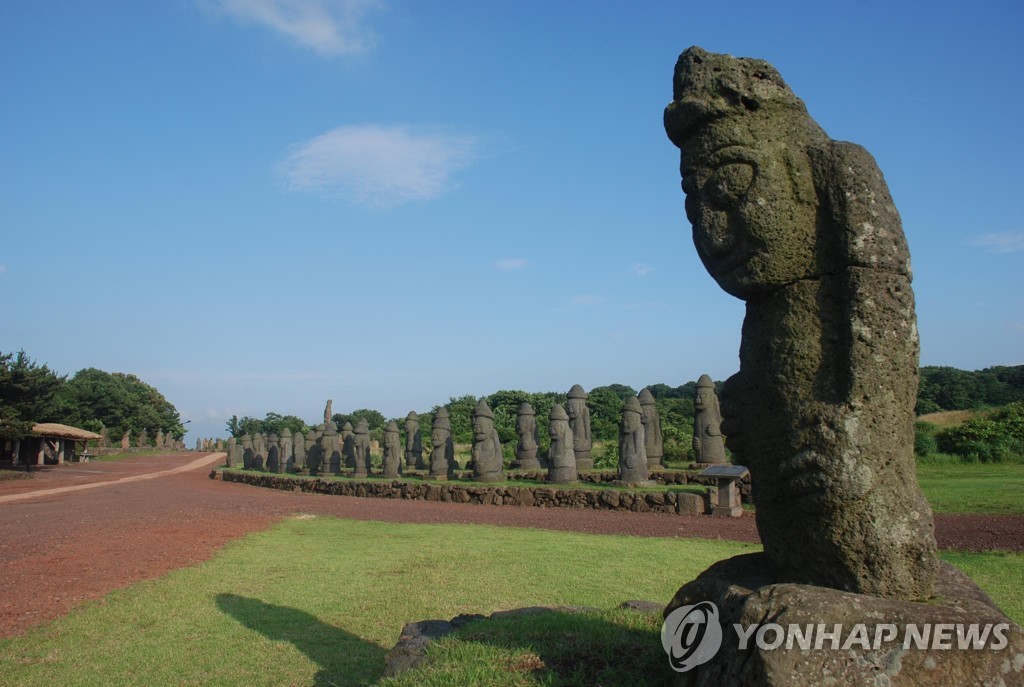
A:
{"points": [[413, 442], [442, 456], [126, 440], [231, 458], [655, 445], [526, 449], [561, 456], [708, 444], [579, 420], [486, 454], [804, 230], [632, 444], [392, 460], [327, 413], [142, 440], [361, 448], [158, 441]]}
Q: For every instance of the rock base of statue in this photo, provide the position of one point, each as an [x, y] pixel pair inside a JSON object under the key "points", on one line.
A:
{"points": [[584, 463], [889, 650]]}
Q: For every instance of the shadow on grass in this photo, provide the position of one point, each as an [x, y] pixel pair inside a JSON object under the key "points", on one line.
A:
{"points": [[553, 648], [344, 658]]}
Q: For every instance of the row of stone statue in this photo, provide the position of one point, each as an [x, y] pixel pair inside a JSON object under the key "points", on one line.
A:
{"points": [[325, 451], [160, 441]]}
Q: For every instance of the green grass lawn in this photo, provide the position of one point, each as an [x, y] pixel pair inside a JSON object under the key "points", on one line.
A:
{"points": [[957, 487], [321, 601]]}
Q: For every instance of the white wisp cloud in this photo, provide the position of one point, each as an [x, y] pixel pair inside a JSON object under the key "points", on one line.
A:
{"points": [[1005, 242], [329, 27], [378, 166]]}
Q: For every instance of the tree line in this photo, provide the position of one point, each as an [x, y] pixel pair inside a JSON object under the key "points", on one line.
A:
{"points": [[91, 399]]}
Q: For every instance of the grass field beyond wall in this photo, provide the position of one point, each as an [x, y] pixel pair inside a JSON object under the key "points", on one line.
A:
{"points": [[321, 600]]}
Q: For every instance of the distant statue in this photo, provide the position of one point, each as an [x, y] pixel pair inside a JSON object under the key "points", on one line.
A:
{"points": [[708, 444], [287, 450], [361, 448], [632, 443], [126, 440], [561, 456], [526, 429], [392, 460], [231, 458], [413, 442], [247, 451], [652, 430], [579, 420], [329, 454], [273, 454], [327, 413], [442, 456], [158, 442], [487, 459], [299, 453]]}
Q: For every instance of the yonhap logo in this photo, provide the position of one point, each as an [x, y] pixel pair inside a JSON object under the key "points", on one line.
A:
{"points": [[691, 635]]}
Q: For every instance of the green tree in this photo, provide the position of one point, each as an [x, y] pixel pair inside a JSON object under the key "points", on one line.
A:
{"points": [[28, 394], [121, 402]]}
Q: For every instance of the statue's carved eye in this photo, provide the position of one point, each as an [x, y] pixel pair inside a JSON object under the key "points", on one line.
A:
{"points": [[729, 183]]}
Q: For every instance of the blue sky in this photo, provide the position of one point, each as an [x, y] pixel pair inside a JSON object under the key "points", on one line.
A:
{"points": [[255, 205]]}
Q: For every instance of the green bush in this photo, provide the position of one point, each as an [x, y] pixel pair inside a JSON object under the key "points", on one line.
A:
{"points": [[998, 438], [925, 442]]}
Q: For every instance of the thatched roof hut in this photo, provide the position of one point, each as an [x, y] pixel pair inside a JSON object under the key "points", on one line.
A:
{"points": [[59, 431]]}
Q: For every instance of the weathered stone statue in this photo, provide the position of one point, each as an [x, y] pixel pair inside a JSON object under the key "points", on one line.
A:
{"points": [[313, 454], [220, 443], [247, 452], [413, 442], [142, 440], [361, 448], [273, 454], [299, 453], [442, 456], [579, 420], [259, 451], [346, 441], [330, 453], [392, 460], [126, 440], [231, 457], [632, 443], [708, 444], [561, 456], [287, 450], [804, 230], [158, 441], [526, 449], [655, 442], [486, 452], [327, 413]]}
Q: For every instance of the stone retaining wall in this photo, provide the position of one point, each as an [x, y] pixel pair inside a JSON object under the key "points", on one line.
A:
{"points": [[540, 496]]}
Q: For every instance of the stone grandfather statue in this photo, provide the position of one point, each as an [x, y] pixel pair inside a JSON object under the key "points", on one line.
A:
{"points": [[708, 443], [804, 230], [561, 456], [247, 452], [231, 459], [653, 438], [327, 412], [392, 460], [579, 420], [526, 429], [273, 454], [486, 453], [287, 448], [299, 452], [632, 444], [361, 448], [413, 442], [329, 452], [442, 456]]}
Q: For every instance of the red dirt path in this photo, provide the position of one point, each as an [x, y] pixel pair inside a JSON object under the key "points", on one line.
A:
{"points": [[58, 550]]}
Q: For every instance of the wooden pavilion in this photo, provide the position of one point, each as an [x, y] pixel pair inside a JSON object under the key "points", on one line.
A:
{"points": [[50, 439]]}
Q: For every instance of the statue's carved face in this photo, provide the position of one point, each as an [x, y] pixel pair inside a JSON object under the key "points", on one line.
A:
{"points": [[482, 427], [751, 228], [630, 421], [437, 437], [701, 402]]}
